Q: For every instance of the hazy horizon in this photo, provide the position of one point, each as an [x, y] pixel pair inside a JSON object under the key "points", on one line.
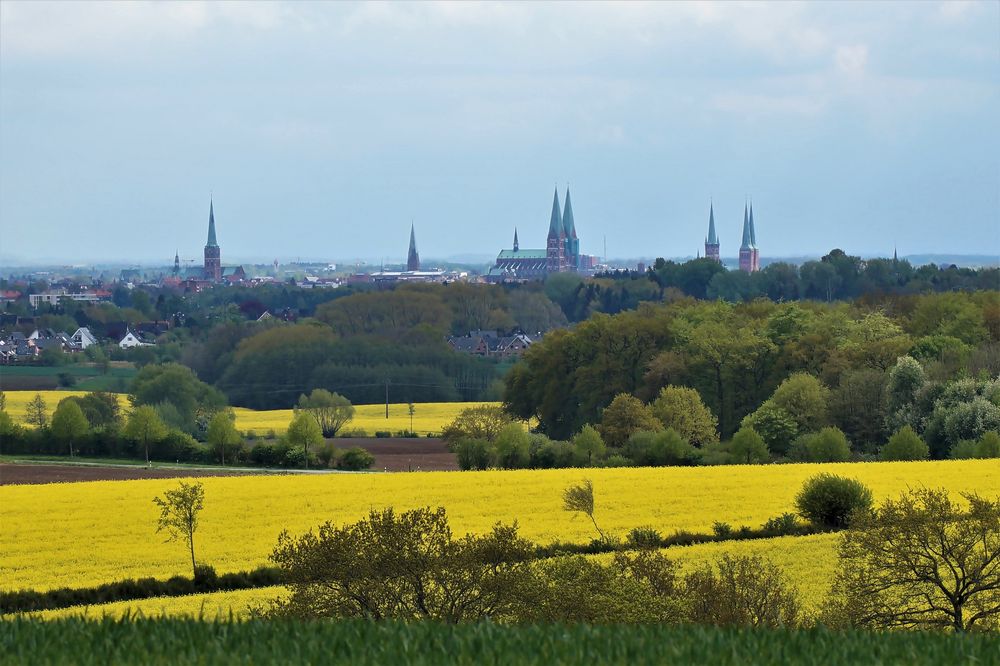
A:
{"points": [[322, 130]]}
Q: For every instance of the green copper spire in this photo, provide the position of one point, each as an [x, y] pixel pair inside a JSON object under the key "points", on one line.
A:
{"points": [[412, 258], [517, 245], [712, 238], [211, 225], [747, 242], [569, 226], [555, 224], [753, 232]]}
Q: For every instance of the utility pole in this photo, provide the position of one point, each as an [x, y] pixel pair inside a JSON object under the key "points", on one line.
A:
{"points": [[387, 398]]}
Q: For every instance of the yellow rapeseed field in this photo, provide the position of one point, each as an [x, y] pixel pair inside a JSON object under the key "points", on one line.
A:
{"points": [[90, 533], [808, 561], [428, 417]]}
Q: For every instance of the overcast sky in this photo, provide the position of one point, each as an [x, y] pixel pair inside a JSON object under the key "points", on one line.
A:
{"points": [[323, 129]]}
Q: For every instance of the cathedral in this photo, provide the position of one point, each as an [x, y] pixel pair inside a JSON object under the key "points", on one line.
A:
{"points": [[749, 253], [561, 253], [212, 269]]}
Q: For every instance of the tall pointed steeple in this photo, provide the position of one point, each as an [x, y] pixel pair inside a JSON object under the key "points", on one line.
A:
{"points": [[747, 242], [712, 238], [753, 232], [555, 222], [412, 258], [177, 262], [569, 226], [517, 245], [211, 225]]}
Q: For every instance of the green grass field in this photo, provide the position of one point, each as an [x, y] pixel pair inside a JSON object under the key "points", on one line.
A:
{"points": [[88, 377], [191, 641]]}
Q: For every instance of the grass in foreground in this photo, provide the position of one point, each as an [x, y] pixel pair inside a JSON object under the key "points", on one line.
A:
{"points": [[161, 641]]}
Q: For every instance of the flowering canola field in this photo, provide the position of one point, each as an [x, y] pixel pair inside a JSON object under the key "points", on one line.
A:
{"points": [[808, 561], [83, 534], [428, 417]]}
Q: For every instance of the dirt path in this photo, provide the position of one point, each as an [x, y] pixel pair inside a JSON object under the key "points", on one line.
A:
{"points": [[12, 473]]}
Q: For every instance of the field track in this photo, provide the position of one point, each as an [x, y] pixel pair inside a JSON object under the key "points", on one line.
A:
{"points": [[27, 473]]}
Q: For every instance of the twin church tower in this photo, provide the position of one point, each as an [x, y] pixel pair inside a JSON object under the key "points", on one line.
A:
{"points": [[749, 254]]}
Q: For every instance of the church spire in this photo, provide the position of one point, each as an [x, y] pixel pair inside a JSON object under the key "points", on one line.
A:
{"points": [[747, 242], [412, 258], [712, 238], [555, 223], [211, 225], [753, 232], [569, 226], [516, 244]]}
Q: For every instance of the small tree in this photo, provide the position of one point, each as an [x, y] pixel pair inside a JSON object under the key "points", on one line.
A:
{"points": [[304, 431], [682, 409], [905, 444], [588, 445], [827, 445], [988, 445], [513, 447], [833, 501], [37, 412], [741, 591], [580, 499], [748, 447], [923, 562], [332, 411], [3, 401], [179, 510], [356, 459], [144, 426], [69, 424], [411, 410], [222, 434], [480, 422]]}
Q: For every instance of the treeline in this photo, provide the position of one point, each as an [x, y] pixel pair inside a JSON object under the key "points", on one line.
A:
{"points": [[736, 355]]}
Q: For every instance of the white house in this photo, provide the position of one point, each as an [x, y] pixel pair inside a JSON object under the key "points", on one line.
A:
{"points": [[83, 338], [132, 340]]}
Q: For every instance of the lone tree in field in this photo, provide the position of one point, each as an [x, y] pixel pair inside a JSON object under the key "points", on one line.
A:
{"points": [[580, 499], [922, 562], [179, 510], [144, 426], [37, 412], [331, 410], [222, 434]]}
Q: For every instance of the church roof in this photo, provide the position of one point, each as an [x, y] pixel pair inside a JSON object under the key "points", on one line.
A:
{"points": [[753, 232], [747, 238], [211, 226], [555, 223], [712, 238], [569, 226], [521, 254]]}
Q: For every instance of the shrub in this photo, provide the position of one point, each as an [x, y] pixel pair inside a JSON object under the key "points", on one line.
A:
{"points": [[748, 447], [781, 525], [251, 435], [355, 459], [474, 454], [268, 455], [905, 444], [383, 434], [326, 454], [617, 460], [965, 449], [741, 591], [988, 445], [644, 537], [722, 530], [827, 445], [827, 500], [205, 576]]}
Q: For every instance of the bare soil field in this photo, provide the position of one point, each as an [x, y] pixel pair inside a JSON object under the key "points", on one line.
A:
{"points": [[397, 454], [12, 473]]}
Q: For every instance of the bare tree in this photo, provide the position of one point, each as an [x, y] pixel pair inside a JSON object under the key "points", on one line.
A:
{"points": [[179, 510], [922, 561]]}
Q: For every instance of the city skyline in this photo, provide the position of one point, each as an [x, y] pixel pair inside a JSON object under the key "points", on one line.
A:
{"points": [[865, 127]]}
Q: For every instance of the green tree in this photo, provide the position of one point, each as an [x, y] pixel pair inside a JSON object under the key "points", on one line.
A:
{"points": [[37, 412], [805, 399], [774, 425], [355, 459], [179, 509], [922, 562], [176, 384], [513, 446], [740, 591], [222, 435], [833, 501], [69, 424], [479, 422], [905, 444], [681, 408], [858, 406], [827, 445], [748, 447], [988, 445], [905, 381], [304, 431], [331, 410], [589, 446], [145, 427], [624, 416]]}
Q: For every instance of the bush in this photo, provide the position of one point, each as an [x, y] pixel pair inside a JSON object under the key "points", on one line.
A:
{"points": [[748, 447], [965, 449], [616, 460], [827, 445], [205, 576], [782, 525], [741, 591], [644, 537], [831, 501], [474, 454], [383, 434], [905, 444], [355, 459], [268, 455], [660, 448], [988, 445], [722, 530]]}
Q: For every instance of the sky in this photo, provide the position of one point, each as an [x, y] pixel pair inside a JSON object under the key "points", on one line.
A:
{"points": [[322, 130]]}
